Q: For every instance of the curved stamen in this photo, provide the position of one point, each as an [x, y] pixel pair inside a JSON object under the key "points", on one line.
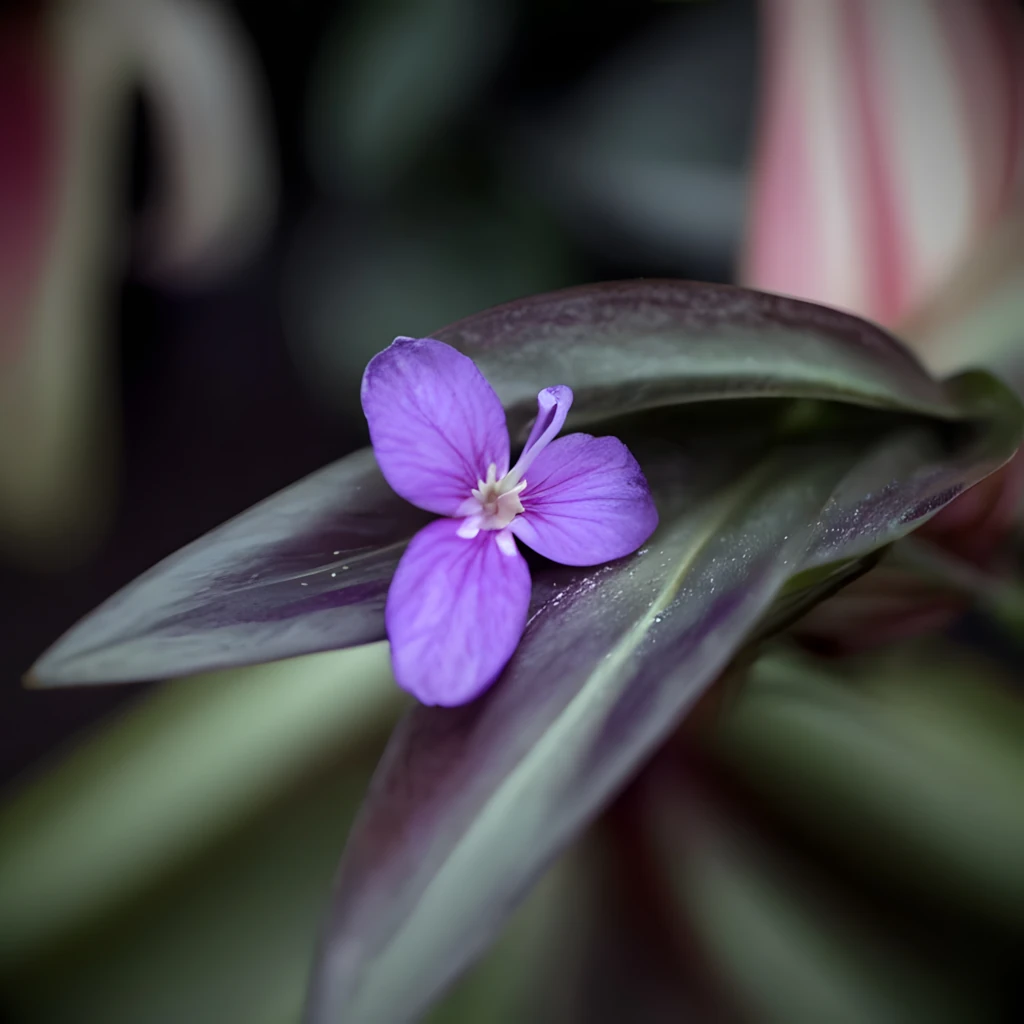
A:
{"points": [[553, 406]]}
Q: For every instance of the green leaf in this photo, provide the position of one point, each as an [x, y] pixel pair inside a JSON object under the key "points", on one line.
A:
{"points": [[224, 939], [783, 941], [921, 747], [171, 776], [227, 937]]}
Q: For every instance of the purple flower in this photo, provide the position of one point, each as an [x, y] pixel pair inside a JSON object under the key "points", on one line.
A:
{"points": [[458, 602]]}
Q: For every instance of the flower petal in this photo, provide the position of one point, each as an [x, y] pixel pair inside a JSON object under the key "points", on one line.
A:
{"points": [[586, 502], [553, 406], [456, 610], [435, 422]]}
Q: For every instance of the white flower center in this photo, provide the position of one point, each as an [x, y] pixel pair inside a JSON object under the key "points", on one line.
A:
{"points": [[494, 504]]}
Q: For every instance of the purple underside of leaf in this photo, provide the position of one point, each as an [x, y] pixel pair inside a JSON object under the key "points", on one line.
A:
{"points": [[306, 570], [469, 806], [909, 476], [626, 345]]}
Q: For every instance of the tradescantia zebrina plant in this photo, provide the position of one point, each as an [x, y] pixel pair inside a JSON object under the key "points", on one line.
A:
{"points": [[784, 443]]}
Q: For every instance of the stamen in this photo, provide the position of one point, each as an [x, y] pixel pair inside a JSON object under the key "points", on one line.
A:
{"points": [[552, 408], [469, 527], [506, 543], [493, 505]]}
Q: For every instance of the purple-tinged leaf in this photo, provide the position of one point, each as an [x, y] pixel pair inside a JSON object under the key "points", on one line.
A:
{"points": [[306, 570], [269, 585], [469, 806], [911, 475], [628, 345]]}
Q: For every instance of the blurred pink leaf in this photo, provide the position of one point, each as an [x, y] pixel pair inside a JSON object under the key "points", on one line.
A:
{"points": [[54, 408], [890, 140], [28, 171], [888, 158]]}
